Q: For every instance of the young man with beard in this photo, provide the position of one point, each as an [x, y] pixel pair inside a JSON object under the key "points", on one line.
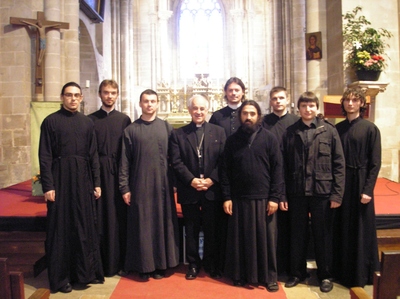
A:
{"points": [[146, 187], [109, 125], [227, 118], [252, 184], [357, 246], [314, 177]]}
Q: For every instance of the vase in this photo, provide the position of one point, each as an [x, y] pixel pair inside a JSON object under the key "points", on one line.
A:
{"points": [[363, 75]]}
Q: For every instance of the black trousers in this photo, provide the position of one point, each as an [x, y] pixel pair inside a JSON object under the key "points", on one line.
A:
{"points": [[301, 210], [197, 217]]}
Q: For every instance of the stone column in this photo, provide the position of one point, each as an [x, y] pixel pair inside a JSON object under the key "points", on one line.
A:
{"points": [[237, 51], [164, 49], [52, 63], [316, 69], [125, 84]]}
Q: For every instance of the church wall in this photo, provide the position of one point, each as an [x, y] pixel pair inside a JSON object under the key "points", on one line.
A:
{"points": [[387, 108], [16, 48], [270, 51]]}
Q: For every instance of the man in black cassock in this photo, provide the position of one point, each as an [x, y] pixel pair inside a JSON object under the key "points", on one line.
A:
{"points": [[70, 177], [277, 122], [356, 254], [109, 125], [146, 187], [252, 184], [227, 118]]}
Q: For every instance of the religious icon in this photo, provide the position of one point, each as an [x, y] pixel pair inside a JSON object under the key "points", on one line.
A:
{"points": [[313, 46]]}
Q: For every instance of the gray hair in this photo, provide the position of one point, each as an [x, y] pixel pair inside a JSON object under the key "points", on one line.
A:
{"points": [[197, 96]]}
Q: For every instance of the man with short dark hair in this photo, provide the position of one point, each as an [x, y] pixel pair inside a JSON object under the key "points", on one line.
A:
{"points": [[277, 122], [252, 184], [70, 175], [109, 125], [146, 187], [314, 178]]}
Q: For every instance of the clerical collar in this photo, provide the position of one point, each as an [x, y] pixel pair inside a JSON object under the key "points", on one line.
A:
{"points": [[235, 106], [280, 116], [108, 112]]}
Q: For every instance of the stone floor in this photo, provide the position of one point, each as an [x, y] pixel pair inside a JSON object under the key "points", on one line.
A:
{"points": [[308, 289]]}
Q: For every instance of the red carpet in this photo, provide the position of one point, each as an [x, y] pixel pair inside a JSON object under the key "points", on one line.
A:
{"points": [[387, 197], [175, 286], [17, 201]]}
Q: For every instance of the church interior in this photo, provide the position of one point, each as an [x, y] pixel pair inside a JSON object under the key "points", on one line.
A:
{"points": [[179, 48]]}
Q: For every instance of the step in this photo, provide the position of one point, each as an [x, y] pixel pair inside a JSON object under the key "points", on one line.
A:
{"points": [[388, 240], [30, 264], [25, 251]]}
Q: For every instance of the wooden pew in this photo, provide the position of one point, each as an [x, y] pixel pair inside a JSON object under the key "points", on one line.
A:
{"points": [[386, 282], [12, 284]]}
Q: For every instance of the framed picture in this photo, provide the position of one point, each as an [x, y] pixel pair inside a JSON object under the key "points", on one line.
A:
{"points": [[94, 9], [313, 45]]}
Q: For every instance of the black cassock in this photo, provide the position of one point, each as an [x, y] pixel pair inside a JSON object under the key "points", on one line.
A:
{"points": [[152, 230], [111, 209], [355, 240], [69, 165], [251, 175]]}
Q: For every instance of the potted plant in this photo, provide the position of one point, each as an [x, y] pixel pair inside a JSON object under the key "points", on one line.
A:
{"points": [[364, 46]]}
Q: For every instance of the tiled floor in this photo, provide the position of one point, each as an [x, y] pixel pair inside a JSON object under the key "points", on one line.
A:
{"points": [[308, 289]]}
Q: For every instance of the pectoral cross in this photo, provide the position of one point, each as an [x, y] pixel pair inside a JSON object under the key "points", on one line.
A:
{"points": [[41, 25]]}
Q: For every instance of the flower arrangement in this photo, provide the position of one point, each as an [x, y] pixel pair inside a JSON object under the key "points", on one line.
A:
{"points": [[37, 178], [364, 46]]}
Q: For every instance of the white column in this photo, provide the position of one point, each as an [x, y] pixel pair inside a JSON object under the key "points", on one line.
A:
{"points": [[164, 47], [237, 51], [125, 84]]}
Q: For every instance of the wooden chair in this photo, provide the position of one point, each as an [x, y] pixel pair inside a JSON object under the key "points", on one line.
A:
{"points": [[386, 282], [12, 284]]}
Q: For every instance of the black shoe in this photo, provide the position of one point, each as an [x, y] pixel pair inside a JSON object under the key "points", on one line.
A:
{"points": [[123, 273], [292, 282], [272, 287], [96, 281], [66, 289], [326, 286], [215, 274], [144, 276], [239, 283], [192, 273], [158, 274]]}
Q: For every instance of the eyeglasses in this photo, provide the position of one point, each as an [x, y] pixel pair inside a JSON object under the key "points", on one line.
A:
{"points": [[72, 95]]}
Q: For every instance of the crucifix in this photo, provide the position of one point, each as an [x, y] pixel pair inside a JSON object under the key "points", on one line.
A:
{"points": [[41, 25]]}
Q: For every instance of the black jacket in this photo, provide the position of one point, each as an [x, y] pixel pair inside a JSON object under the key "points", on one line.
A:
{"points": [[322, 172], [185, 161]]}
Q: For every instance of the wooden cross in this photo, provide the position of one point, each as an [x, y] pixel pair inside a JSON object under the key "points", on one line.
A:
{"points": [[41, 25]]}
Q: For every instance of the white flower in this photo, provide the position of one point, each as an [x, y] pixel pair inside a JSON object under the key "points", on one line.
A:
{"points": [[357, 44]]}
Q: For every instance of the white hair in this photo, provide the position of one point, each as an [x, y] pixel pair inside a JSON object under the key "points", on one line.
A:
{"points": [[196, 96]]}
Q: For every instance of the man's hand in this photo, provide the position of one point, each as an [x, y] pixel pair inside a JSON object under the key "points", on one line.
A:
{"points": [[50, 195], [334, 204], [365, 198], [272, 207], [97, 192], [207, 183], [228, 207], [198, 184], [284, 206], [127, 198]]}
